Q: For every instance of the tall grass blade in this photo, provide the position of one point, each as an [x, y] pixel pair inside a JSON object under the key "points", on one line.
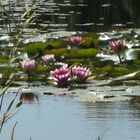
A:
{"points": [[13, 130]]}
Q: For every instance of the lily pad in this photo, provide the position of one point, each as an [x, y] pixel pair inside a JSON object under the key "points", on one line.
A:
{"points": [[129, 79], [137, 62], [83, 53], [91, 38], [36, 48], [4, 59], [88, 42], [58, 44], [57, 52]]}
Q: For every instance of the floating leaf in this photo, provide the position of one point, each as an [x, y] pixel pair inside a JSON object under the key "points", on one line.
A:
{"points": [[119, 71], [83, 53], [57, 52], [137, 62], [94, 36], [133, 76], [35, 48], [58, 44], [87, 43], [4, 59], [114, 83]]}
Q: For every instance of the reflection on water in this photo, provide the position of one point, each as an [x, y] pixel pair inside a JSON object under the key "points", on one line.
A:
{"points": [[83, 15], [28, 98], [63, 118]]}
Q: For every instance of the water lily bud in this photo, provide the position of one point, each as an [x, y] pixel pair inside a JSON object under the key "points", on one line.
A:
{"points": [[117, 46], [48, 58], [75, 40], [28, 65]]}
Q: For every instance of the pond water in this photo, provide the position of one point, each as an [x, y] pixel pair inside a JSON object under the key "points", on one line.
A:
{"points": [[80, 15], [64, 118]]}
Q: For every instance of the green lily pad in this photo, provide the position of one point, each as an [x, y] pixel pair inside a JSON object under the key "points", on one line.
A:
{"points": [[90, 40], [41, 69], [83, 53], [56, 52], [119, 71], [137, 62], [58, 44], [4, 59], [36, 48], [129, 79], [134, 76]]}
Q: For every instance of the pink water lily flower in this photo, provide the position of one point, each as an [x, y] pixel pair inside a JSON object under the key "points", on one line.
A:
{"points": [[48, 58], [28, 65], [75, 40], [117, 46], [80, 73], [61, 76]]}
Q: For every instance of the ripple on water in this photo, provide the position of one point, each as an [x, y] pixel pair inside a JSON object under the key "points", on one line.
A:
{"points": [[69, 119]]}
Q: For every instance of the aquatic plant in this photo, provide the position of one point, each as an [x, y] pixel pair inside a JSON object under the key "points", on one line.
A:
{"points": [[75, 40], [9, 112], [28, 66], [48, 58], [117, 47], [81, 74], [65, 76], [61, 77], [13, 29]]}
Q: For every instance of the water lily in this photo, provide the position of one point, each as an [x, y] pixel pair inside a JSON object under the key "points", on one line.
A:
{"points": [[75, 40], [28, 66], [48, 58], [61, 76], [65, 76], [117, 46], [80, 73]]}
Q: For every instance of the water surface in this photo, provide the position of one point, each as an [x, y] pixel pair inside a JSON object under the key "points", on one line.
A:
{"points": [[64, 118]]}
